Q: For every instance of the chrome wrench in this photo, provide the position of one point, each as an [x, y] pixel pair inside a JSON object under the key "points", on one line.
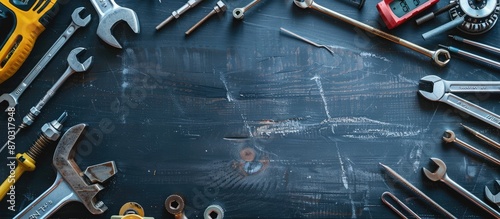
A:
{"points": [[434, 55], [13, 97], [436, 89]]}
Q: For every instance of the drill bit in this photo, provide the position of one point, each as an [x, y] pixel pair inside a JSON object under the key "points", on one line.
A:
{"points": [[220, 7]]}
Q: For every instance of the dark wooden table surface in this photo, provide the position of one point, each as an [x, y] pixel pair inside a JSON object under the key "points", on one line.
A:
{"points": [[180, 111]]}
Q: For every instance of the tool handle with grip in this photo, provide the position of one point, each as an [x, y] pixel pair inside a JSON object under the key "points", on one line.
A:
{"points": [[472, 109], [59, 194]]}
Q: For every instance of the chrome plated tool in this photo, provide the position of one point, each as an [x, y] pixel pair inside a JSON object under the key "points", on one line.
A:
{"points": [[472, 56], [306, 40], [239, 13], [176, 14], [400, 203], [482, 137]]}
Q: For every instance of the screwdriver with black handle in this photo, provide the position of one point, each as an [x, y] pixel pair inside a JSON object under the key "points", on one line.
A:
{"points": [[21, 22]]}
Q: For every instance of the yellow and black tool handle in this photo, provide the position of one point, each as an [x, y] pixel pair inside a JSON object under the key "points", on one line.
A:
{"points": [[21, 22]]}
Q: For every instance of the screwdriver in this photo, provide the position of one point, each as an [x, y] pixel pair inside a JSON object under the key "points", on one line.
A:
{"points": [[51, 132], [471, 56]]}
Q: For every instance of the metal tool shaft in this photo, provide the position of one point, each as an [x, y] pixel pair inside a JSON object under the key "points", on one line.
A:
{"points": [[476, 44], [472, 56], [482, 137], [449, 136], [417, 191], [306, 40]]}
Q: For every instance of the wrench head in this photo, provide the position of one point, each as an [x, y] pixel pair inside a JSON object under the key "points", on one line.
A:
{"points": [[449, 136], [431, 87], [111, 18], [493, 198], [303, 3], [10, 100], [65, 164], [76, 65], [439, 174], [81, 22]]}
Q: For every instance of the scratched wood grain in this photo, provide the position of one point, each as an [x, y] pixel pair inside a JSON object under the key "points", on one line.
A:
{"points": [[183, 108]]}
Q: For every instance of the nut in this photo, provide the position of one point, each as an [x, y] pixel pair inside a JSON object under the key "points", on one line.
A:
{"points": [[50, 132]]}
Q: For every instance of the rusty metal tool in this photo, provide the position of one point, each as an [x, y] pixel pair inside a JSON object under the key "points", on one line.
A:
{"points": [[71, 183], [306, 40], [449, 137], [440, 175], [175, 206], [434, 55], [218, 8], [482, 137], [400, 203]]}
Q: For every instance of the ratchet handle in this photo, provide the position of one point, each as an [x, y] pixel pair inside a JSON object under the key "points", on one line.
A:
{"points": [[472, 109]]}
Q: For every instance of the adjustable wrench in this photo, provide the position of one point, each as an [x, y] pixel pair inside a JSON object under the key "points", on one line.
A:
{"points": [[440, 175], [434, 55], [109, 14], [71, 183], [13, 97], [493, 198], [73, 66], [436, 89]]}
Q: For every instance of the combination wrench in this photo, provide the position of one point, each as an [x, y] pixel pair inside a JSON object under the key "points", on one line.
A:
{"points": [[239, 13], [434, 55], [440, 175], [13, 97], [434, 88]]}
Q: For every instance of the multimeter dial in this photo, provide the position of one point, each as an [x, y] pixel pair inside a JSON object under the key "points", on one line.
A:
{"points": [[479, 15], [396, 12]]}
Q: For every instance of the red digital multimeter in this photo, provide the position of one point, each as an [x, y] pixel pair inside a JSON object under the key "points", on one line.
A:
{"points": [[396, 12]]}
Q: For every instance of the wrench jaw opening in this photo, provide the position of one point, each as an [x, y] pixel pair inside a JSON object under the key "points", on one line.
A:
{"points": [[76, 65], [439, 174], [111, 18], [493, 198], [66, 166], [12, 102], [78, 20], [449, 136], [303, 3], [431, 87]]}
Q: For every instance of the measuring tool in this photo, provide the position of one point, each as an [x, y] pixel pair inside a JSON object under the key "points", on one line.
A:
{"points": [[21, 22], [396, 12]]}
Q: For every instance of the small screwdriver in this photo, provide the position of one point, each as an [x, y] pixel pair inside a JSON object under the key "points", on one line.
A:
{"points": [[51, 132]]}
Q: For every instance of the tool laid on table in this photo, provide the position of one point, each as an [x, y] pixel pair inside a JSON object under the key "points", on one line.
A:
{"points": [[449, 137], [71, 183], [433, 14], [471, 56], [482, 137], [476, 44], [174, 204], [471, 17], [74, 66], [13, 97], [435, 55], [176, 14], [434, 88], [109, 15], [131, 210], [22, 22], [440, 175], [400, 203], [219, 7], [50, 133], [213, 212], [495, 199], [422, 195], [239, 13], [396, 12], [306, 40]]}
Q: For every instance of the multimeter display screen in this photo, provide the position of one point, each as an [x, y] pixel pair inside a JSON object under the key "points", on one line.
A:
{"points": [[402, 7]]}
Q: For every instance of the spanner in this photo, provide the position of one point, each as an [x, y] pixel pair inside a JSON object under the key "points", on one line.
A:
{"points": [[434, 55], [239, 13], [71, 183], [440, 175], [13, 97], [109, 14], [73, 66], [493, 198], [434, 88]]}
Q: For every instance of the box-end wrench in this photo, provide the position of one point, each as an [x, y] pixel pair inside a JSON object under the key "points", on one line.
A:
{"points": [[434, 88], [239, 13], [440, 175], [434, 55], [73, 66], [71, 183], [13, 97]]}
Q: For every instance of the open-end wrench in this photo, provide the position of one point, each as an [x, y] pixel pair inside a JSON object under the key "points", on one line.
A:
{"points": [[434, 88], [73, 66], [440, 175], [109, 14], [239, 13], [493, 198], [434, 55], [13, 97], [71, 183]]}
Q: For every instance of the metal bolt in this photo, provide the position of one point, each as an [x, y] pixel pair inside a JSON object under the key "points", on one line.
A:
{"points": [[50, 133], [220, 7]]}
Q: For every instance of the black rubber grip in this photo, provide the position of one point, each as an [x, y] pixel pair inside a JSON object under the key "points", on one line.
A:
{"points": [[47, 17]]}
